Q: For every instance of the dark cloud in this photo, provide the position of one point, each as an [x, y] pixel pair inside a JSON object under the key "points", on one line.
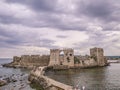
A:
{"points": [[8, 19], [101, 8], [61, 36], [49, 14], [44, 5], [6, 33], [38, 5], [15, 1], [11, 39]]}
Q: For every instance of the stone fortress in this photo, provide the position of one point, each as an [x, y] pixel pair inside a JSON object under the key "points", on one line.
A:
{"points": [[61, 59], [65, 58]]}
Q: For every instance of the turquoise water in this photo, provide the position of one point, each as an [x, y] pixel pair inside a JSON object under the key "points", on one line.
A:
{"points": [[104, 78], [20, 74]]}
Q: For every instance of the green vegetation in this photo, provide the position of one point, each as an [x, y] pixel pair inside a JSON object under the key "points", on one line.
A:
{"points": [[94, 57], [36, 86], [76, 60]]}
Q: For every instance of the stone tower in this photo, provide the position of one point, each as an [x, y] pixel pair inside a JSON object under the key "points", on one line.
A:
{"points": [[54, 57], [98, 55], [66, 58]]}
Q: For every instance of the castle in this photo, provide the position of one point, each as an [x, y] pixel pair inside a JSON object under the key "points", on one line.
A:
{"points": [[61, 59], [66, 58]]}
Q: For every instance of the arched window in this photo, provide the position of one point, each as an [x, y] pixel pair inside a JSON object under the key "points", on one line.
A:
{"points": [[61, 53]]}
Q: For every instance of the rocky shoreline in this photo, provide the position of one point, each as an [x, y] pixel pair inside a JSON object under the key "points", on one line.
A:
{"points": [[4, 80], [13, 65]]}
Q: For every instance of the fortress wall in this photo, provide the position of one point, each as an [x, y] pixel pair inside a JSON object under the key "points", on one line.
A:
{"points": [[60, 58], [31, 61]]}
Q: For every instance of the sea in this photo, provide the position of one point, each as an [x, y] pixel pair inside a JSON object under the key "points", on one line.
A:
{"points": [[21, 75], [103, 78]]}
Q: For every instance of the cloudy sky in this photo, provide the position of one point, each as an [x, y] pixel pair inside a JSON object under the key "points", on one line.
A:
{"points": [[35, 26]]}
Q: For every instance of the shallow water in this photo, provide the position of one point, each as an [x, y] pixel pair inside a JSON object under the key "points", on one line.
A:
{"points": [[21, 75], [103, 78]]}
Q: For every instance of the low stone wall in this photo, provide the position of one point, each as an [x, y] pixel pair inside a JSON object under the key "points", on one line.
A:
{"points": [[37, 75]]}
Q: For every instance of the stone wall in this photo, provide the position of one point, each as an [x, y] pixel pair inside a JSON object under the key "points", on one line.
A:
{"points": [[96, 58], [62, 57], [98, 55], [84, 61], [30, 61], [54, 57], [68, 57]]}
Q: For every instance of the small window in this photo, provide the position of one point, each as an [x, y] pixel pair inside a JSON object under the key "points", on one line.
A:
{"points": [[70, 54], [82, 62], [68, 59], [61, 63]]}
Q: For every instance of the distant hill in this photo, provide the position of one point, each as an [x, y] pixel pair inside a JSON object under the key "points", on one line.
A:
{"points": [[113, 57]]}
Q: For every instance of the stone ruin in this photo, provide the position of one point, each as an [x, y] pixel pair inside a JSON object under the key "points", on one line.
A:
{"points": [[30, 60], [98, 55], [62, 57], [96, 58], [65, 58]]}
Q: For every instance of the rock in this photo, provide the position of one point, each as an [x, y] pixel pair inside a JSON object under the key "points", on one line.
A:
{"points": [[3, 82], [12, 89], [21, 80], [14, 86], [22, 85], [14, 80], [22, 74], [7, 80]]}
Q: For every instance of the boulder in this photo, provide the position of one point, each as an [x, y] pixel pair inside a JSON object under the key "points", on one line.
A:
{"points": [[3, 82]]}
